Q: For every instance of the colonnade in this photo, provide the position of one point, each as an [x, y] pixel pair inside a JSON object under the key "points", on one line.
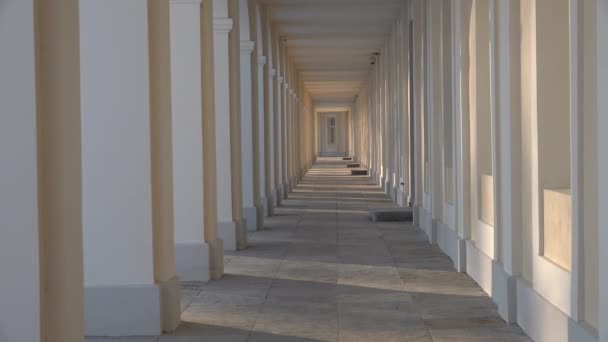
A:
{"points": [[490, 118], [139, 140]]}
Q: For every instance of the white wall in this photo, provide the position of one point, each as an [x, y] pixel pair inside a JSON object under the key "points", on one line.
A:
{"points": [[187, 122], [116, 143], [19, 264]]}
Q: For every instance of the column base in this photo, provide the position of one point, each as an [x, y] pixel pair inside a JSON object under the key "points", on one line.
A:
{"points": [[261, 210], [170, 303], [264, 209], [227, 232], [400, 197], [251, 218], [241, 234], [388, 188], [192, 261], [271, 203], [132, 310], [216, 258], [286, 190], [279, 195], [293, 182]]}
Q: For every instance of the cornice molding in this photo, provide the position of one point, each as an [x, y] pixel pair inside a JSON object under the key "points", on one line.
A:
{"points": [[247, 46], [222, 25]]}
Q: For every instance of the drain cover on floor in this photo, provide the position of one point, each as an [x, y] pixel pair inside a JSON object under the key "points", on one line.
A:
{"points": [[392, 215], [353, 165], [347, 158]]}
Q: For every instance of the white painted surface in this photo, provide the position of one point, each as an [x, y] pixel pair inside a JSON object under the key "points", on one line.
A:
{"points": [[187, 122], [19, 264], [602, 128], [221, 27], [246, 121], [116, 143]]}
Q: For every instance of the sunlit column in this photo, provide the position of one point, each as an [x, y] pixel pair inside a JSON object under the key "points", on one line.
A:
{"points": [[262, 136], [249, 210], [602, 128], [222, 25], [41, 286], [258, 63], [286, 143], [191, 249], [130, 283], [210, 184], [278, 137], [234, 60]]}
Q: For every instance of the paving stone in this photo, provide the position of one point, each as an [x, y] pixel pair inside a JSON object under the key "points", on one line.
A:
{"points": [[321, 271]]}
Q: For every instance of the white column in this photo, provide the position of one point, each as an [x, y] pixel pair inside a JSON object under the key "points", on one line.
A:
{"points": [[41, 286], [191, 250], [222, 25], [249, 209], [269, 141], [602, 128], [247, 143], [262, 132], [234, 50], [130, 284], [278, 139], [508, 164]]}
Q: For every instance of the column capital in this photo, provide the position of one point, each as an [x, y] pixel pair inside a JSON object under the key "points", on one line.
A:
{"points": [[185, 2], [247, 46], [273, 73], [286, 85], [222, 25], [261, 60], [280, 79], [291, 91]]}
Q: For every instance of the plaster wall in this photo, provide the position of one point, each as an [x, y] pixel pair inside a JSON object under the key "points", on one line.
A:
{"points": [[117, 212]]}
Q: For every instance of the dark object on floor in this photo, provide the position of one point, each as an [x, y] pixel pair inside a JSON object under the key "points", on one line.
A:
{"points": [[353, 165], [347, 158], [358, 172], [392, 215]]}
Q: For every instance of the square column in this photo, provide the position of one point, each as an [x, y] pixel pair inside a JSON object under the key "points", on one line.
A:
{"points": [[41, 291], [278, 140], [250, 212], [285, 134], [192, 260], [602, 125], [236, 170], [130, 282], [262, 132], [222, 25]]}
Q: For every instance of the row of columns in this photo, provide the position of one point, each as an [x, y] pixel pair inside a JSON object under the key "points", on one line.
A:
{"points": [[500, 118], [381, 123], [141, 140]]}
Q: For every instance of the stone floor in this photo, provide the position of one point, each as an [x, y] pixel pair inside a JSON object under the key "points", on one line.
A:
{"points": [[321, 271]]}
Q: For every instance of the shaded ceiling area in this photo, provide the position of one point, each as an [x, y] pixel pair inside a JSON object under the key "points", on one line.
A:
{"points": [[331, 42]]}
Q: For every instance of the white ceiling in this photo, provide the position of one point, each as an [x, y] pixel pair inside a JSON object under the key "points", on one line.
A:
{"points": [[331, 42]]}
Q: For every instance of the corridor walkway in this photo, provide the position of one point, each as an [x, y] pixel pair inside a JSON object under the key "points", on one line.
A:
{"points": [[321, 271]]}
